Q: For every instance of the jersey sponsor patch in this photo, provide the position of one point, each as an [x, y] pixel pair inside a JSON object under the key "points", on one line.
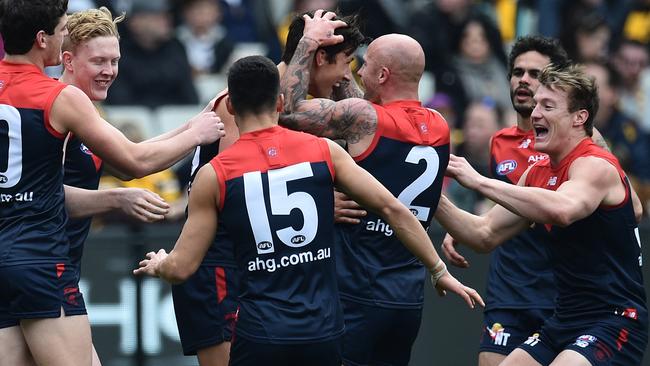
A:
{"points": [[585, 340]]}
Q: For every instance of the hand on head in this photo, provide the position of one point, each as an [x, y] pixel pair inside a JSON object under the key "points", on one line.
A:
{"points": [[321, 28]]}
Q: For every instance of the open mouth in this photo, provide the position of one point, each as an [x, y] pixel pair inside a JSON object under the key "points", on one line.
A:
{"points": [[540, 131], [522, 93]]}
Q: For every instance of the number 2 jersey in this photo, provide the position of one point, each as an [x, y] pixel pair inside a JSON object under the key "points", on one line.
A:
{"points": [[596, 260], [520, 275], [408, 155], [277, 203], [32, 212]]}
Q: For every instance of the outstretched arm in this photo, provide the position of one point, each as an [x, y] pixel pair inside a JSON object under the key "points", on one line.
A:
{"points": [[591, 182], [365, 189], [196, 237], [481, 233], [140, 204], [350, 119], [73, 111]]}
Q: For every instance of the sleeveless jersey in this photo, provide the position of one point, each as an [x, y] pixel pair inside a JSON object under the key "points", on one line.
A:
{"points": [[220, 252], [596, 260], [277, 201], [520, 275], [32, 213], [82, 169], [408, 155]]}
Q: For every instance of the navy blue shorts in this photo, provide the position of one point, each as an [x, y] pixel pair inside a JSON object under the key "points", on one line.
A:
{"points": [[38, 291], [505, 329], [378, 336], [608, 341], [244, 352], [206, 307]]}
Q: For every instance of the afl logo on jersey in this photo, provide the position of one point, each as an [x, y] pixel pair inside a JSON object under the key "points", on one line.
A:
{"points": [[265, 245], [506, 167], [84, 149], [272, 151], [298, 239], [3, 179]]}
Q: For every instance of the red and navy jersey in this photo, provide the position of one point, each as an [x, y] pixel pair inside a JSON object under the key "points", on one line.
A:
{"points": [[82, 169], [520, 275], [408, 155], [277, 203], [220, 252], [596, 260], [32, 212]]}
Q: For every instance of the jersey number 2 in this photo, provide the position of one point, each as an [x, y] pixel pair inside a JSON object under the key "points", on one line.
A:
{"points": [[11, 146], [281, 203], [423, 182]]}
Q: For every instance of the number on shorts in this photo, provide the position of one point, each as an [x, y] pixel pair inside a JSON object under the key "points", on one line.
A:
{"points": [[282, 203], [11, 145], [423, 182]]}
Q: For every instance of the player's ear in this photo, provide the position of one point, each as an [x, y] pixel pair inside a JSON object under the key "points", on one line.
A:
{"points": [[41, 39], [320, 58], [580, 117], [67, 60], [229, 107], [384, 74], [279, 104]]}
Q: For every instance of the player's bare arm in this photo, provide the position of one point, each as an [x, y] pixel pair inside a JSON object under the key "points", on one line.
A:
{"points": [[73, 111], [366, 190], [347, 88], [140, 204], [196, 236], [480, 233], [592, 182], [349, 119]]}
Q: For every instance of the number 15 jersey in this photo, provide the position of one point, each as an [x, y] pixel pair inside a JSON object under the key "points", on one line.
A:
{"points": [[277, 204], [408, 155]]}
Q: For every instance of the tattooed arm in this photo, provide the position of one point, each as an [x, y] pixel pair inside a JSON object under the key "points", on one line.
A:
{"points": [[347, 88], [350, 119]]}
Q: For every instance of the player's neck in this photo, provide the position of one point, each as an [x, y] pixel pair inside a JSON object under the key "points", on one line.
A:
{"points": [[255, 122], [524, 123], [25, 59]]}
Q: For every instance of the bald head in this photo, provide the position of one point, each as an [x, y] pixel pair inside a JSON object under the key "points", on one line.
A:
{"points": [[401, 54]]}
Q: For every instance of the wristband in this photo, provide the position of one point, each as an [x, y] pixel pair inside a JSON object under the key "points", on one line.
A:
{"points": [[437, 271]]}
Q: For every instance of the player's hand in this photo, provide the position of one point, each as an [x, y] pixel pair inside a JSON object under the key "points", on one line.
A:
{"points": [[346, 211], [448, 283], [463, 172], [149, 265], [449, 250], [142, 204], [321, 28], [207, 127]]}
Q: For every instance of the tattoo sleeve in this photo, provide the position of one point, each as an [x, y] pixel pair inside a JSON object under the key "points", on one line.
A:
{"points": [[350, 119]]}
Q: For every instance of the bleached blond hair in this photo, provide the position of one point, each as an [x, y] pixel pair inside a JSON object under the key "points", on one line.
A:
{"points": [[88, 24]]}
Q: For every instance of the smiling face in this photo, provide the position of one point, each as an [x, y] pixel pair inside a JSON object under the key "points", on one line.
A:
{"points": [[327, 75], [94, 65], [523, 81], [552, 120]]}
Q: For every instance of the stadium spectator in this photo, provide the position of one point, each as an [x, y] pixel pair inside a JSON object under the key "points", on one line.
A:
{"points": [[206, 42], [630, 59], [154, 66]]}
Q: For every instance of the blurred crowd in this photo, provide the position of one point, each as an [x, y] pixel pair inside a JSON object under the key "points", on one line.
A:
{"points": [[174, 52]]}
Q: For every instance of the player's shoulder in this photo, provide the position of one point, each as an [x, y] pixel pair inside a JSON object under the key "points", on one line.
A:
{"points": [[506, 132]]}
